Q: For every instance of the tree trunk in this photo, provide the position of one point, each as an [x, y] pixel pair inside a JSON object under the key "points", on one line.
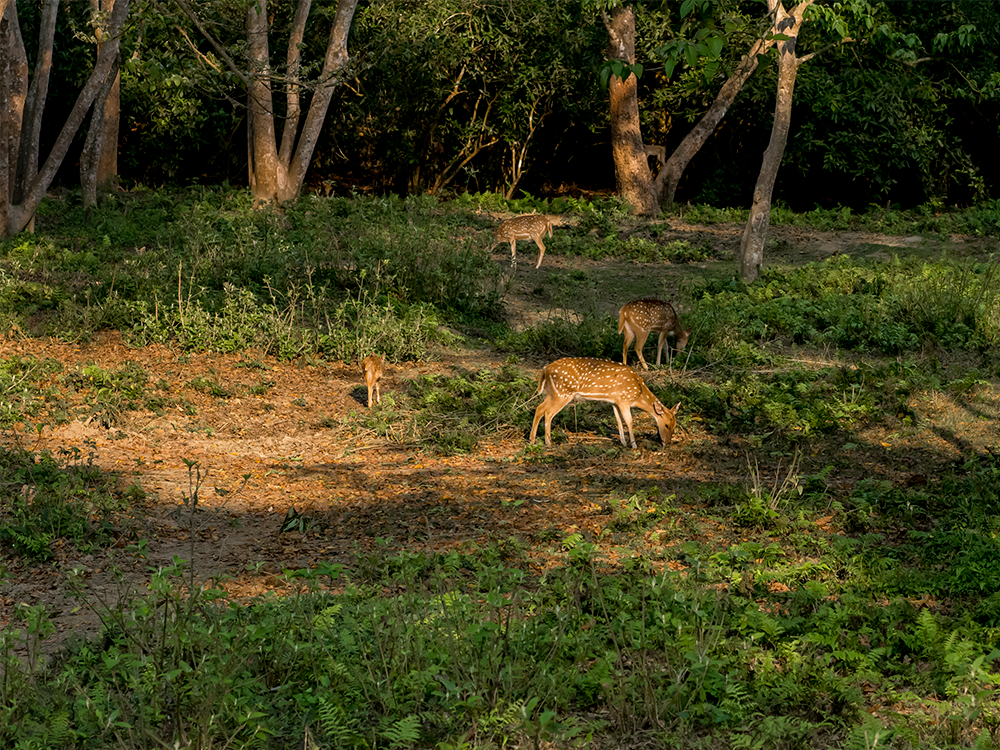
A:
{"points": [[10, 114], [751, 256], [274, 176], [336, 60], [669, 177], [635, 182], [95, 147], [101, 147], [32, 186], [107, 109], [24, 120], [107, 167], [265, 170]]}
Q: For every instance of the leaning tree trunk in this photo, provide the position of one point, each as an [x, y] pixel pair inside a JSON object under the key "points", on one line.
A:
{"points": [[26, 114], [32, 184], [95, 145], [99, 160], [751, 256], [669, 177], [635, 182]]}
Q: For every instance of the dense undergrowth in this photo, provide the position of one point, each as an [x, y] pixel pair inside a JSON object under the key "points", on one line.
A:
{"points": [[855, 616]]}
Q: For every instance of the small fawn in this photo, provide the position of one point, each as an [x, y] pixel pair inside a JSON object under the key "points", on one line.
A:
{"points": [[372, 366], [526, 227], [584, 379], [639, 317]]}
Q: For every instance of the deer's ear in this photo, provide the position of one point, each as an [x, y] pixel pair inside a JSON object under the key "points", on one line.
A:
{"points": [[674, 410], [658, 408]]}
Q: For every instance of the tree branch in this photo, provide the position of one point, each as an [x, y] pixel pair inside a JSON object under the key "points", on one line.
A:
{"points": [[219, 50]]}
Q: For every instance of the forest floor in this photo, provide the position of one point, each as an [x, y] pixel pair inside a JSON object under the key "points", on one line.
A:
{"points": [[258, 456]]}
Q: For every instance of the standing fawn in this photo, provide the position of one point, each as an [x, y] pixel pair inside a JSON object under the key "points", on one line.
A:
{"points": [[584, 379], [526, 227], [372, 366], [639, 317]]}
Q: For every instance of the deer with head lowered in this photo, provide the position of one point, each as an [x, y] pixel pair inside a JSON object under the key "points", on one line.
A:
{"points": [[639, 317], [584, 379], [372, 367], [525, 227]]}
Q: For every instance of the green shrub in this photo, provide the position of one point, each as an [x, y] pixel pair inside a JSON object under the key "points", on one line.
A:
{"points": [[44, 499]]}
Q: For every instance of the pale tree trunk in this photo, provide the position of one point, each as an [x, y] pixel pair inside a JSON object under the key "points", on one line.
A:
{"points": [[635, 181], [274, 176], [28, 102], [30, 183], [99, 161], [266, 173], [751, 256], [669, 177], [95, 147], [11, 108]]}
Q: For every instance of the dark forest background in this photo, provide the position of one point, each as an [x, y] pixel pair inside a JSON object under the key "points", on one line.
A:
{"points": [[905, 113]]}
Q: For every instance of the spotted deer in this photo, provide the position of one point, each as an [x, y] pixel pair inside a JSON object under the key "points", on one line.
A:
{"points": [[372, 366], [660, 152], [584, 379], [639, 317], [525, 227]]}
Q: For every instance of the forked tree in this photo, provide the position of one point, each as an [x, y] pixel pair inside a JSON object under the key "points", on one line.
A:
{"points": [[277, 172], [22, 103], [636, 183]]}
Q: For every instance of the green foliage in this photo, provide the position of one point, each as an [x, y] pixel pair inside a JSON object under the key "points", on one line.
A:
{"points": [[886, 308], [454, 413], [588, 336], [21, 392], [480, 91], [947, 543], [639, 512], [474, 639], [203, 271], [44, 498]]}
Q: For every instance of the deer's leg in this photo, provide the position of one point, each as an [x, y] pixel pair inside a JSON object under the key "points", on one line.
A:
{"points": [[553, 405], [640, 341], [621, 432], [541, 248], [378, 393], [626, 411], [539, 413], [629, 337], [659, 347]]}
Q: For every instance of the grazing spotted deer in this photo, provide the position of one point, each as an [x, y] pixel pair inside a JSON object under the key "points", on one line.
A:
{"points": [[525, 227], [639, 317], [584, 379], [372, 366]]}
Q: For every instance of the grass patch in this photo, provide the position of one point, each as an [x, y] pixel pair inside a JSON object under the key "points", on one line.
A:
{"points": [[49, 498]]}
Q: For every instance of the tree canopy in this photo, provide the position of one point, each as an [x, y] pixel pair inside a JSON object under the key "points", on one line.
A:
{"points": [[444, 95]]}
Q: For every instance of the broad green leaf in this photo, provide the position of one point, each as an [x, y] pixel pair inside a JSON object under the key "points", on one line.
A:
{"points": [[691, 55]]}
